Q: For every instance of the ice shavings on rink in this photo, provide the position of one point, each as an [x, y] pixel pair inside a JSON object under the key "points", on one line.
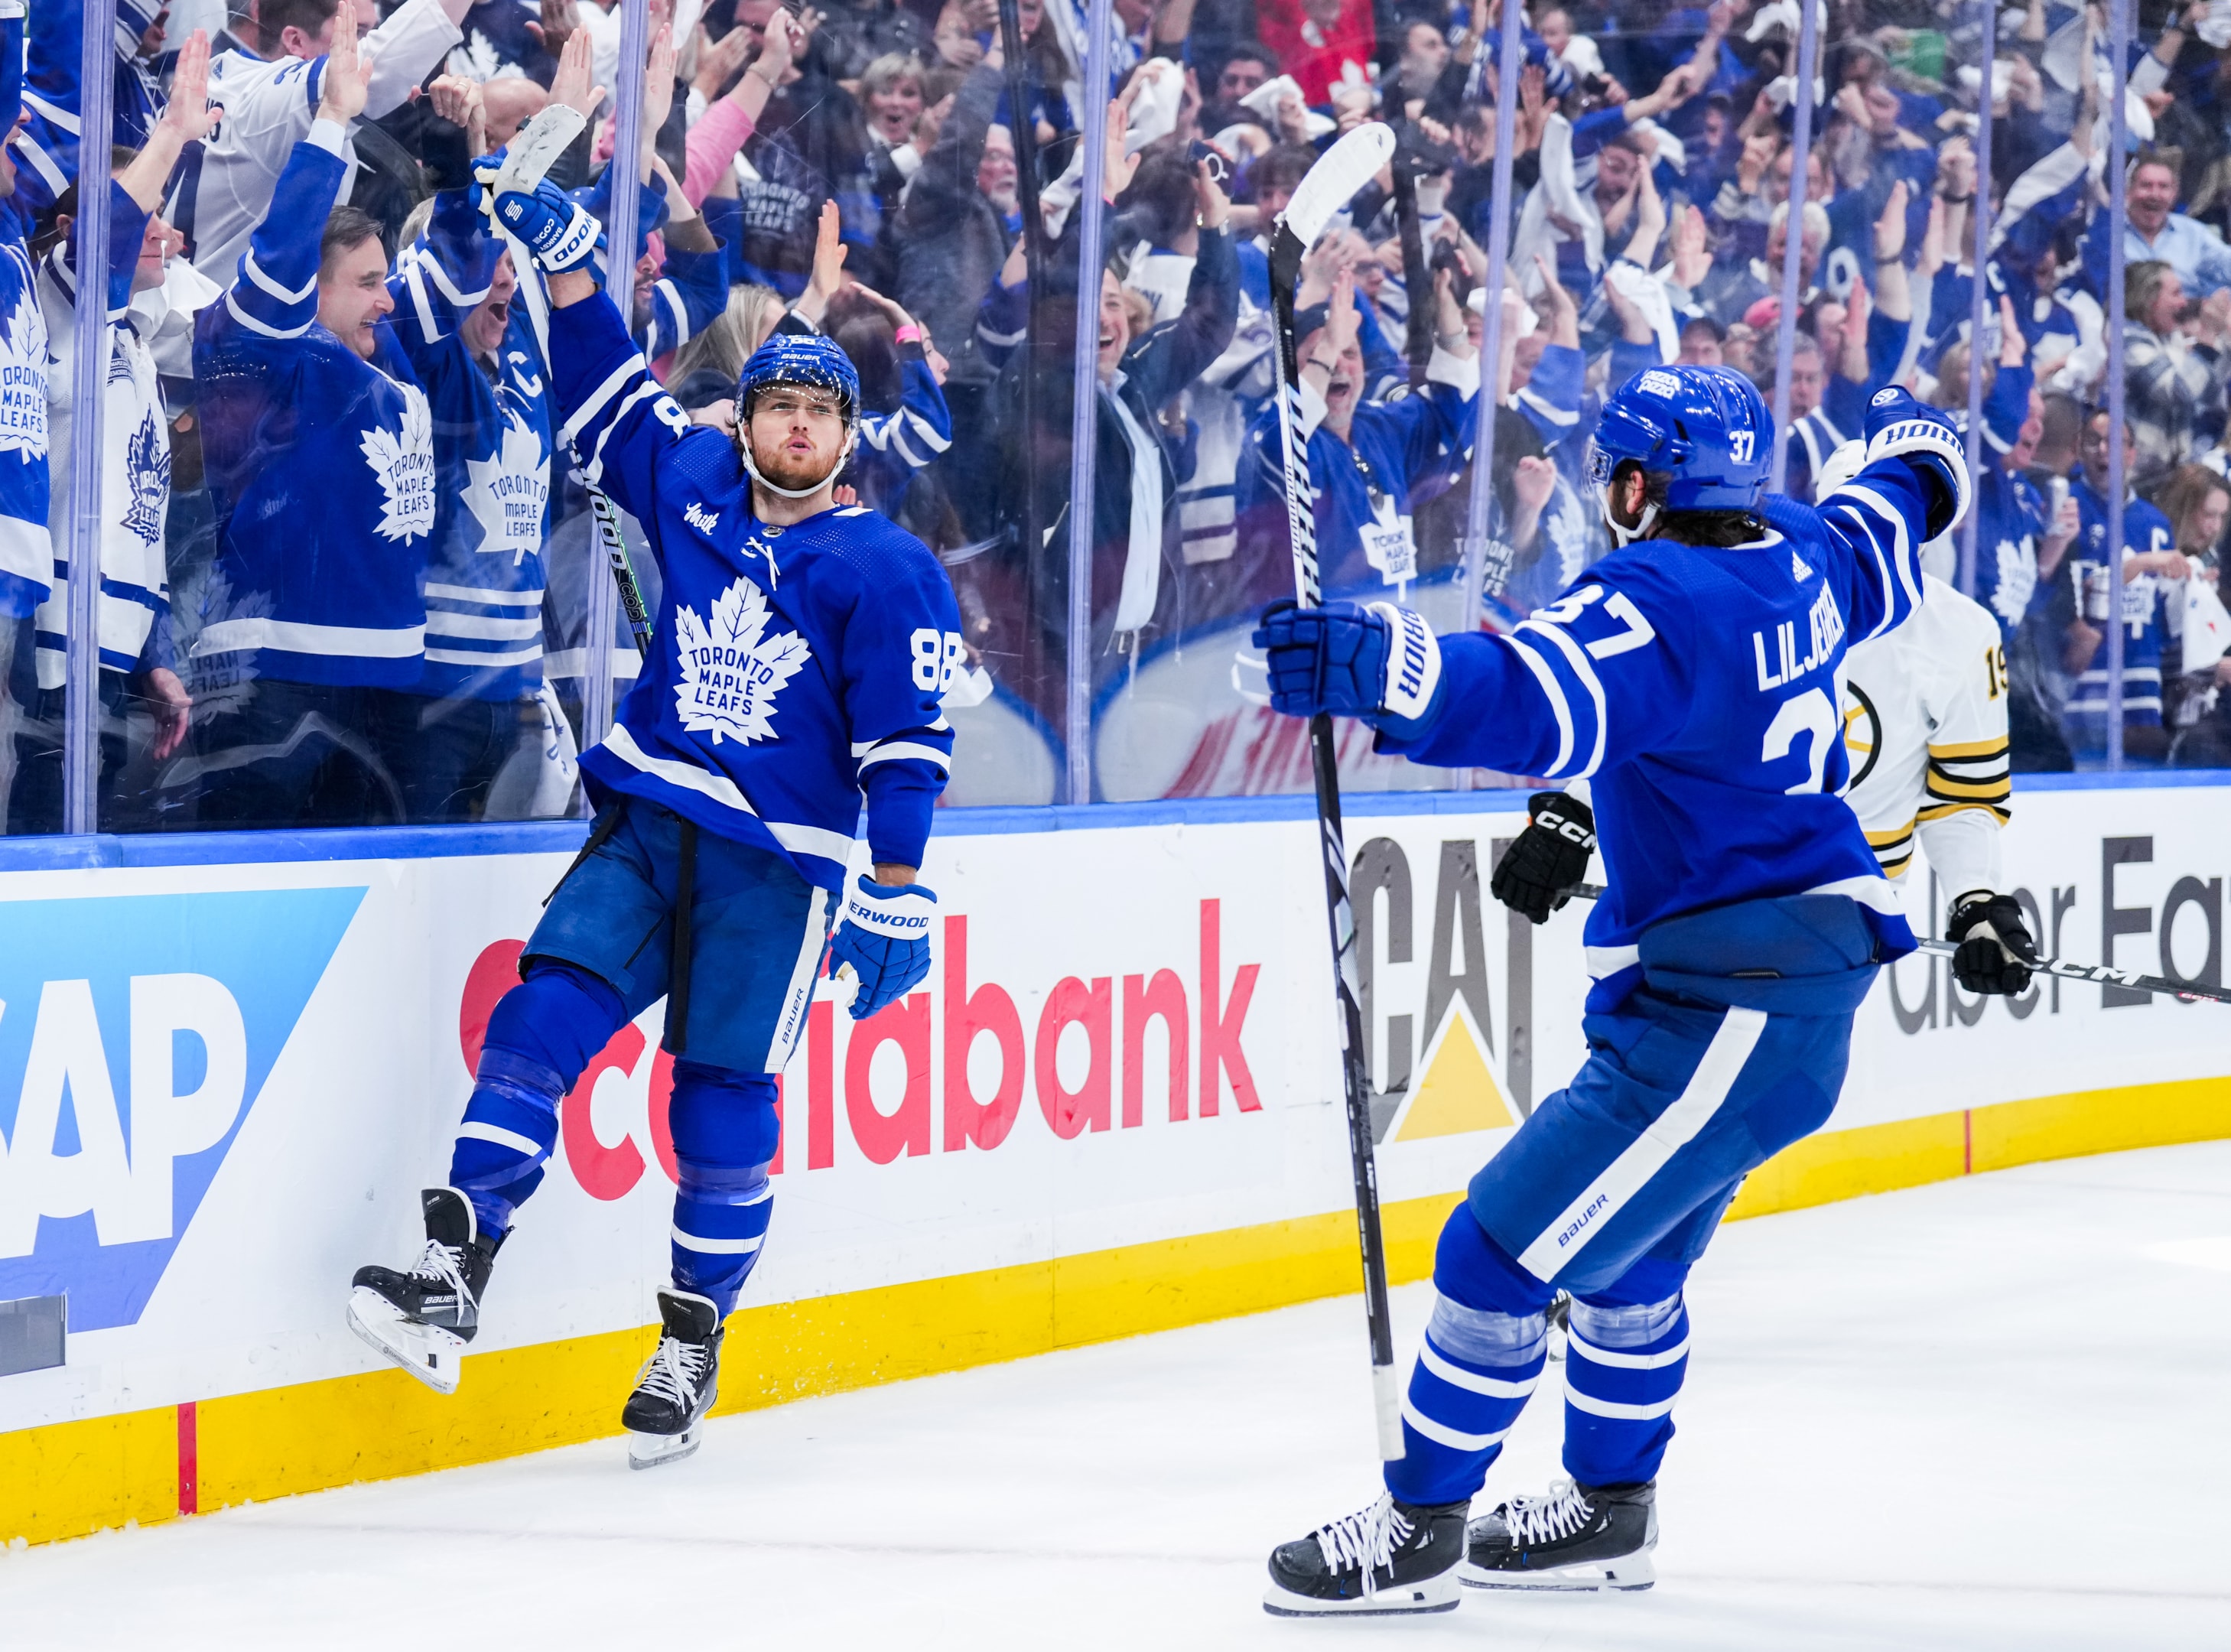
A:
{"points": [[1986, 1413]]}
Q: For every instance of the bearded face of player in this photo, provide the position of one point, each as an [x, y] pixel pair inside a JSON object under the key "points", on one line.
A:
{"points": [[796, 435]]}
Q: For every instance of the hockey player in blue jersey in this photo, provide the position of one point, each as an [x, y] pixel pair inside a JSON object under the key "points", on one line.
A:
{"points": [[801, 658], [1690, 676]]}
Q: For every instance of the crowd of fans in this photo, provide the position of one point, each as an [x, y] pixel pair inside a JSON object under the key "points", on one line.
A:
{"points": [[347, 561]]}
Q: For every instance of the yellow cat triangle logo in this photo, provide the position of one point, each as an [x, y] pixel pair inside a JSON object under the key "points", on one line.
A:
{"points": [[1461, 1091]]}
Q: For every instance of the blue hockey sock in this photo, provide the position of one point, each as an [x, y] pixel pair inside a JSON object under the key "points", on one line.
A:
{"points": [[1474, 1371], [542, 1035], [510, 1126], [1623, 1371], [725, 1130], [1483, 1354]]}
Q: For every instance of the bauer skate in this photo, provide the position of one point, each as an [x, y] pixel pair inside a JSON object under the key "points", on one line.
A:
{"points": [[1578, 1537], [665, 1416], [1390, 1557], [422, 1319]]}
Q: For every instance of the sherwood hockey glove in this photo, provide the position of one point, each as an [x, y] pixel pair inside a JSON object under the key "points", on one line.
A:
{"points": [[1996, 947], [1537, 874], [885, 938], [1899, 427], [560, 232], [1380, 664]]}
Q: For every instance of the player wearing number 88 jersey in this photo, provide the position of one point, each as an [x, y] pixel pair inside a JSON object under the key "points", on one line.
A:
{"points": [[1690, 677], [799, 661]]}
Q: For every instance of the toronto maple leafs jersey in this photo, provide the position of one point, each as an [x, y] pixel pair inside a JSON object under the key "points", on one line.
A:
{"points": [[219, 198], [26, 550], [320, 465], [1695, 688], [1399, 454], [794, 668], [492, 440], [1925, 733], [135, 457], [2145, 614]]}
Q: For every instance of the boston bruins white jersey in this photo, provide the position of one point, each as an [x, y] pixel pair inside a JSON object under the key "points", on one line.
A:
{"points": [[1925, 728]]}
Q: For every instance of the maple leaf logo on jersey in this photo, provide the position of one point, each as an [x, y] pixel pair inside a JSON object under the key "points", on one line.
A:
{"points": [[508, 490], [24, 382], [404, 464], [2017, 582], [732, 671], [147, 479]]}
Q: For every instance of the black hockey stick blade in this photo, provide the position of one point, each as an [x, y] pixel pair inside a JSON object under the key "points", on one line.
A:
{"points": [[2192, 991]]}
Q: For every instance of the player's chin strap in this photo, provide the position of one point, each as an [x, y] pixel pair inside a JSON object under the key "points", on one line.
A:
{"points": [[744, 448], [1620, 534]]}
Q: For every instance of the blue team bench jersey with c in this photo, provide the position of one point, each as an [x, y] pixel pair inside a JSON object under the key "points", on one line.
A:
{"points": [[793, 668], [1695, 688]]}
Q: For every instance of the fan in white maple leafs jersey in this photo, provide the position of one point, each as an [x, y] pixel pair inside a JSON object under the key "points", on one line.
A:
{"points": [[794, 668]]}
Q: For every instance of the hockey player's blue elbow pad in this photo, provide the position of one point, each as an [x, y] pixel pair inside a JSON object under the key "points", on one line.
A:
{"points": [[1927, 439], [1380, 663], [884, 937]]}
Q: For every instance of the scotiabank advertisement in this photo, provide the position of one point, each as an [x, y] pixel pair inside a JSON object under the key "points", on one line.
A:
{"points": [[222, 1086]]}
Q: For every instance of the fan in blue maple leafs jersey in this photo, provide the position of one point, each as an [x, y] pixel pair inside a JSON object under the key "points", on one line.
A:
{"points": [[1691, 678], [26, 551], [800, 659]]}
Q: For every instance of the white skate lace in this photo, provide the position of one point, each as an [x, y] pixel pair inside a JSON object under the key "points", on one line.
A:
{"points": [[1545, 1519], [444, 1265], [1367, 1539], [673, 1372]]}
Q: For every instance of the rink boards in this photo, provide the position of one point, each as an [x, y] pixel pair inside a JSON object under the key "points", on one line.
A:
{"points": [[1112, 1108]]}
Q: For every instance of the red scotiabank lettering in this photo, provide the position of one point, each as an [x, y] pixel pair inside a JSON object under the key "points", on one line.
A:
{"points": [[968, 1016], [883, 1137], [1092, 1007], [971, 1012], [1219, 1032]]}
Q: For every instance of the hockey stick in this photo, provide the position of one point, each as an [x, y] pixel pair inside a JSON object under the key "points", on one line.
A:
{"points": [[528, 160], [2097, 973], [1342, 171]]}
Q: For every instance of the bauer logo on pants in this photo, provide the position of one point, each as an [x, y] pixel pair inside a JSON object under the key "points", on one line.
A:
{"points": [[136, 1033]]}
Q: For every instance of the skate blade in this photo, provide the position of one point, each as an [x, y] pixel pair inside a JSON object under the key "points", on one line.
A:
{"points": [[1433, 1595], [432, 1355], [656, 1450], [1629, 1572]]}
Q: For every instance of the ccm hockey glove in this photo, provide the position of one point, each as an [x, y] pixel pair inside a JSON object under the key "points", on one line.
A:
{"points": [[1996, 947], [1380, 662], [1900, 427], [885, 938], [1537, 874]]}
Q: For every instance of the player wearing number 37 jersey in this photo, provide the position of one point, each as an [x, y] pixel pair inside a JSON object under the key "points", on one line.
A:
{"points": [[799, 662], [1690, 678]]}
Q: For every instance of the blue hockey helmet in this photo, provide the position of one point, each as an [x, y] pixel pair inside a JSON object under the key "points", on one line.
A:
{"points": [[808, 358], [1707, 427]]}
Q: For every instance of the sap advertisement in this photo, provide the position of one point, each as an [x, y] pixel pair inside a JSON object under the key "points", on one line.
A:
{"points": [[222, 1086]]}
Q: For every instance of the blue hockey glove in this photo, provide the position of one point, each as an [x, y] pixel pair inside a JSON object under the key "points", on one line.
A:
{"points": [[561, 233], [885, 938], [1380, 663], [1900, 427]]}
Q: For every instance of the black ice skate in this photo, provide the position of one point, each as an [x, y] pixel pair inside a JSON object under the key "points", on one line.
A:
{"points": [[1578, 1537], [422, 1320], [665, 1416], [1390, 1557]]}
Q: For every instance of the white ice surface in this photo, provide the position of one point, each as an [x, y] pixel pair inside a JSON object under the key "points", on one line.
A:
{"points": [[1986, 1413]]}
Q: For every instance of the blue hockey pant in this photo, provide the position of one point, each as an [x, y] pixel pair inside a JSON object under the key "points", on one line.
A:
{"points": [[752, 932], [1610, 1191]]}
